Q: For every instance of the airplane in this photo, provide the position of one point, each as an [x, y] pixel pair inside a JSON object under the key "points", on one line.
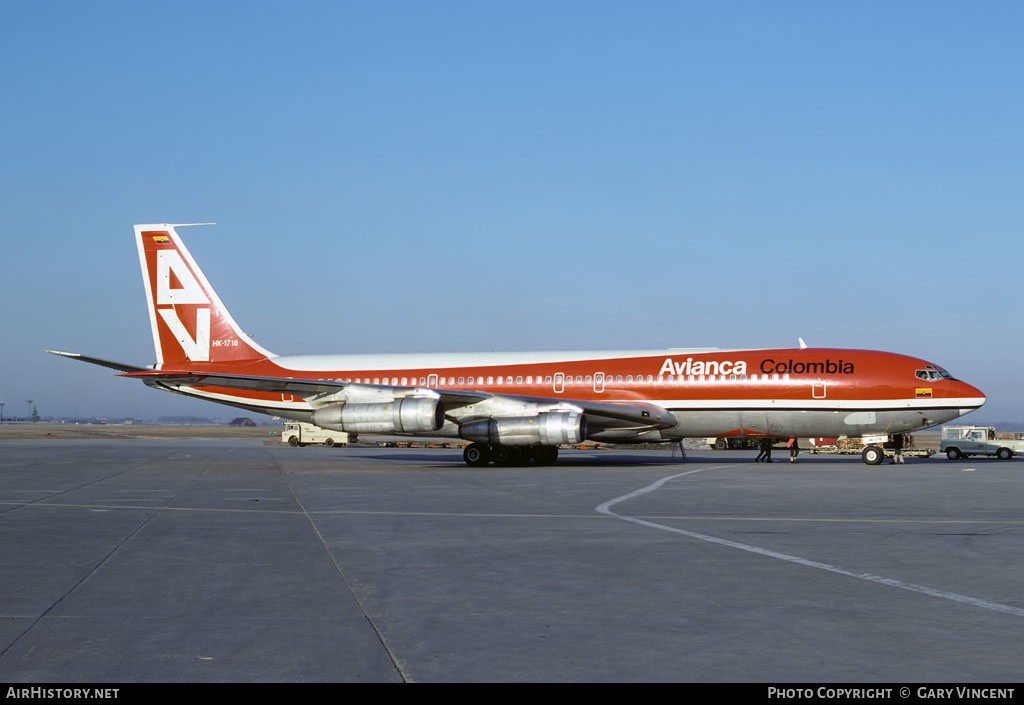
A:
{"points": [[517, 407]]}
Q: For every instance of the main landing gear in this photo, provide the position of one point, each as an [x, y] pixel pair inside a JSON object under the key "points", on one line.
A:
{"points": [[873, 455], [479, 454]]}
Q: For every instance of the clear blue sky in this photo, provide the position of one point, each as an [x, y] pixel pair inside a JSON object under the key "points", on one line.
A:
{"points": [[430, 175]]}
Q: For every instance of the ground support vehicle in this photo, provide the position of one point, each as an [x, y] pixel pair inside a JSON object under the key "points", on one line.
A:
{"points": [[303, 434], [873, 449], [964, 441]]}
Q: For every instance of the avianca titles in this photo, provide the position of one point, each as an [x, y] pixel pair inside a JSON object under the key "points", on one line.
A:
{"points": [[514, 407]]}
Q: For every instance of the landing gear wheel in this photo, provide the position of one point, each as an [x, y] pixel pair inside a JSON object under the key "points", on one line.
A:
{"points": [[476, 454], [504, 455], [1004, 453], [873, 455], [546, 455], [953, 453]]}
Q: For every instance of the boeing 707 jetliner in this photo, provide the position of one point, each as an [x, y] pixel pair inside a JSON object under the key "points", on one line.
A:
{"points": [[518, 406]]}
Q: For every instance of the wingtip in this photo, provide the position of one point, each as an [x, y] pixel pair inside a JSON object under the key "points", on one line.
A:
{"points": [[62, 353]]}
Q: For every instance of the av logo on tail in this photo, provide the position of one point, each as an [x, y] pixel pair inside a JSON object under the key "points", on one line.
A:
{"points": [[175, 285]]}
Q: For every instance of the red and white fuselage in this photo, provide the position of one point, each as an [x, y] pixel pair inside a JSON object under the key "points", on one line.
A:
{"points": [[831, 392]]}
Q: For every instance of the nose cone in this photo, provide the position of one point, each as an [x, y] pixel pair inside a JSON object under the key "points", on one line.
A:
{"points": [[971, 397]]}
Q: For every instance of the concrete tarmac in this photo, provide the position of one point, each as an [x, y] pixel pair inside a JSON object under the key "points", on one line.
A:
{"points": [[228, 560]]}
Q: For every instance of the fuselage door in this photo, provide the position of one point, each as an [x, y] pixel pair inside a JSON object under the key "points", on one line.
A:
{"points": [[559, 382], [599, 382]]}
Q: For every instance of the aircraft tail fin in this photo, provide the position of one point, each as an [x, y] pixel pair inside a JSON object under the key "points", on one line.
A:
{"points": [[190, 323]]}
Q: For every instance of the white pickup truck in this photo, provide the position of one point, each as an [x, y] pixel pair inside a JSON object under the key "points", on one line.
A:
{"points": [[964, 441]]}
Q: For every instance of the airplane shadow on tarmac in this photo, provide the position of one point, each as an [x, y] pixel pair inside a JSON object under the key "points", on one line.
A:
{"points": [[583, 459]]}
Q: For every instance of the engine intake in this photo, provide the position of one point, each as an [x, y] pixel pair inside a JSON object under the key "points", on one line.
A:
{"points": [[547, 429], [408, 415]]}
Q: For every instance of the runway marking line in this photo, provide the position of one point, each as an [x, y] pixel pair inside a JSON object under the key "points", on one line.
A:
{"points": [[605, 509]]}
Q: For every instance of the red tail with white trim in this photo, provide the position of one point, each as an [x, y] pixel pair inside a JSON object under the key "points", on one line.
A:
{"points": [[190, 324]]}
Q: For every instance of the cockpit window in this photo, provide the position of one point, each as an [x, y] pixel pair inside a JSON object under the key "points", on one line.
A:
{"points": [[932, 374]]}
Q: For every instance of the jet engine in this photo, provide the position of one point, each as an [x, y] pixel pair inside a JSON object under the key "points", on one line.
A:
{"points": [[548, 429], [407, 415]]}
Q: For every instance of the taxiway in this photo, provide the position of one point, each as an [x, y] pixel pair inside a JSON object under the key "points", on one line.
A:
{"points": [[230, 560]]}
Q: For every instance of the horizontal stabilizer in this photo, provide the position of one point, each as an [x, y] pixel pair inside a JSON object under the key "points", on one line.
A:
{"points": [[120, 366]]}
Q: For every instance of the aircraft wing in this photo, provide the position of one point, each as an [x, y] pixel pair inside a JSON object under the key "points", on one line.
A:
{"points": [[315, 391], [323, 392], [625, 414]]}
